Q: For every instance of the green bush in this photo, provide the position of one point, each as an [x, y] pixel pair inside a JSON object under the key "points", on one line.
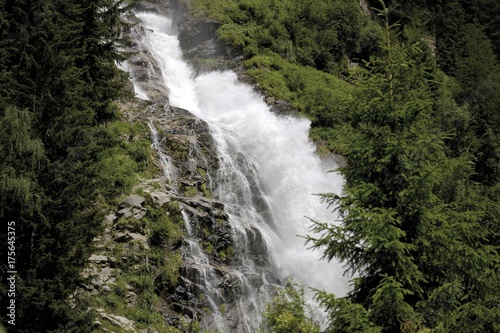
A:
{"points": [[288, 312]]}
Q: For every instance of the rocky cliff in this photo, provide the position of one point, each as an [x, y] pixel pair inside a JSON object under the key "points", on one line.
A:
{"points": [[143, 265], [165, 262]]}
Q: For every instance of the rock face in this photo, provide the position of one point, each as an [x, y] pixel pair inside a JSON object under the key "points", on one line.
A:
{"points": [[202, 48], [198, 244], [193, 158], [199, 42], [170, 239], [142, 66]]}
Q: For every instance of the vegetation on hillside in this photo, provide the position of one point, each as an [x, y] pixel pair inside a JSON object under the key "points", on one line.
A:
{"points": [[421, 253], [418, 123], [64, 153], [297, 51]]}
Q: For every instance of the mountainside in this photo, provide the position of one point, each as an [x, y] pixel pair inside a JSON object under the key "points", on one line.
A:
{"points": [[142, 213]]}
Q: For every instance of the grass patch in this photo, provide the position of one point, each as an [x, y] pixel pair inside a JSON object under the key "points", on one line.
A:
{"points": [[127, 157], [135, 293]]}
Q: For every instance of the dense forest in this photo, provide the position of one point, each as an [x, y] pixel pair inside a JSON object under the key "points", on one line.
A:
{"points": [[61, 155], [407, 91]]}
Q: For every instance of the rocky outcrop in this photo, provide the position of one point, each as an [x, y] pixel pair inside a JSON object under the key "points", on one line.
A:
{"points": [[207, 275], [143, 68], [161, 7], [167, 249], [199, 42], [150, 233]]}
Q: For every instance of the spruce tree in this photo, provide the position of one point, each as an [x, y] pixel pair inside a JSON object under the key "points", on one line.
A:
{"points": [[57, 93], [414, 256]]}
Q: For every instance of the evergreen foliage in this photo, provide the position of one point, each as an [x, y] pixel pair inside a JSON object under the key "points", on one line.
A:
{"points": [[58, 81], [319, 34], [397, 232]]}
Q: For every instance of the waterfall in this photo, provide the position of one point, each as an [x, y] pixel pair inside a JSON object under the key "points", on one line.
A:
{"points": [[200, 261], [268, 173], [164, 160]]}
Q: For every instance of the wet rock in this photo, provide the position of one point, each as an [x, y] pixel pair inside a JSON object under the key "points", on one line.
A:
{"points": [[197, 37], [199, 42], [160, 7], [283, 108], [270, 100]]}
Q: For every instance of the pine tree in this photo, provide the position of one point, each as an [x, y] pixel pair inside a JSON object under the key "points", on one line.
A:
{"points": [[414, 256], [100, 41], [58, 92]]}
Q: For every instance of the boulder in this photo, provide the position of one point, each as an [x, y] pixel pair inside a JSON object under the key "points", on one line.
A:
{"points": [[132, 201], [160, 199], [122, 322], [125, 212]]}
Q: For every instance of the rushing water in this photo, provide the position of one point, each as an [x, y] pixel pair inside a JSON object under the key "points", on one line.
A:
{"points": [[164, 159], [269, 171]]}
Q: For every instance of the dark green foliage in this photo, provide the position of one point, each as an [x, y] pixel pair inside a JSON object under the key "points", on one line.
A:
{"points": [[478, 73], [22, 157], [319, 34], [57, 83], [345, 316], [467, 48], [311, 91], [398, 229]]}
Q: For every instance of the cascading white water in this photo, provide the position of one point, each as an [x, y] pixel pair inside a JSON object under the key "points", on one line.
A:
{"points": [[269, 169], [164, 160], [200, 260]]}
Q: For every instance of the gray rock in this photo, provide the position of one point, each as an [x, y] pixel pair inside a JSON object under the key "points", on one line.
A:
{"points": [[125, 212], [270, 100], [132, 201], [122, 322], [139, 215], [131, 298], [110, 218], [160, 199], [98, 258], [284, 108], [122, 237]]}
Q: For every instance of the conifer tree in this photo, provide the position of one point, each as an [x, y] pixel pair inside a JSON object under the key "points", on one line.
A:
{"points": [[58, 90], [413, 255]]}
